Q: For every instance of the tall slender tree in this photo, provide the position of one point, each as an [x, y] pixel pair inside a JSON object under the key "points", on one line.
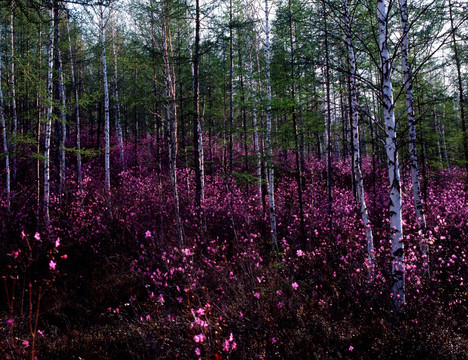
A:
{"points": [[461, 94], [412, 135], [355, 144], [48, 124], [269, 151], [197, 129], [14, 110], [107, 181], [5, 146], [79, 171], [396, 229]]}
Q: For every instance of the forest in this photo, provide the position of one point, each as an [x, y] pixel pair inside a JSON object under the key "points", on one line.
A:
{"points": [[233, 179]]}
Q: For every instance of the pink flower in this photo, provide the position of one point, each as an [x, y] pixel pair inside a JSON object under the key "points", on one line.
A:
{"points": [[234, 345], [278, 292], [52, 265], [351, 348], [148, 234], [226, 345], [161, 298], [57, 242], [199, 338], [294, 285], [37, 236], [197, 351], [200, 312], [300, 253], [25, 343], [64, 256], [41, 332], [257, 295], [273, 340]]}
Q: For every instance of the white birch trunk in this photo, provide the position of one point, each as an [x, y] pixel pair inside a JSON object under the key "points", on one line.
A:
{"points": [[106, 111], [118, 123], [63, 120], [197, 123], [48, 125], [412, 137], [13, 92], [77, 114], [356, 150], [5, 146], [269, 162], [396, 231], [171, 121]]}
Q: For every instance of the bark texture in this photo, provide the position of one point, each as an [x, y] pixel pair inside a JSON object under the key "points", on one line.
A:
{"points": [[396, 231], [356, 148]]}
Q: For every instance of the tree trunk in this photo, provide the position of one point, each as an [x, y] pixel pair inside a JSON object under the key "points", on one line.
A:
{"points": [[396, 231], [48, 125], [197, 129], [5, 146], [231, 90], [412, 137], [255, 123], [60, 95], [171, 120], [356, 151], [13, 93], [243, 108], [118, 123], [329, 142], [461, 95], [77, 114], [107, 181], [269, 160], [38, 129], [297, 150]]}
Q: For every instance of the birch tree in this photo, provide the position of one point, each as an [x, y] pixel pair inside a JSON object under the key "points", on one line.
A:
{"points": [[171, 113], [14, 111], [102, 32], [396, 231], [355, 144], [328, 105], [412, 135], [48, 124], [197, 128], [77, 113], [297, 150], [60, 96], [5, 145], [269, 161]]}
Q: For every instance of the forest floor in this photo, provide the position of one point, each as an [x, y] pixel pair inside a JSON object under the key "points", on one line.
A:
{"points": [[96, 286]]}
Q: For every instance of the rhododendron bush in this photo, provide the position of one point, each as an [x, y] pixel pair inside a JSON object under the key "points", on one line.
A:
{"points": [[97, 285]]}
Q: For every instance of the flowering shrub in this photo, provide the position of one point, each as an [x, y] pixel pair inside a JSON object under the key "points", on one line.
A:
{"points": [[117, 284]]}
